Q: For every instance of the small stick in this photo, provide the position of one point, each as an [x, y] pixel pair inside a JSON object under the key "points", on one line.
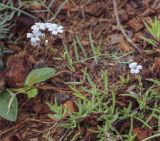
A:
{"points": [[122, 30]]}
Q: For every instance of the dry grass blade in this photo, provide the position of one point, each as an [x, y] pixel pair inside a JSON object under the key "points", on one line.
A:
{"points": [[122, 30]]}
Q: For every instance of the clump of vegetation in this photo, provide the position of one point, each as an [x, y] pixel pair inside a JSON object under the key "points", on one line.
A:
{"points": [[8, 100], [154, 29], [100, 107], [107, 103]]}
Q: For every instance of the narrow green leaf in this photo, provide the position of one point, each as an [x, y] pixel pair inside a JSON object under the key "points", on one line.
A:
{"points": [[93, 48], [78, 94], [76, 51], [104, 77], [81, 46], [8, 110], [150, 41], [155, 81], [39, 75]]}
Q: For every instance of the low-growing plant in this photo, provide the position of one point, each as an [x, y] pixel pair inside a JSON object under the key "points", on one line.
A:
{"points": [[8, 98], [93, 105], [100, 103], [124, 79], [154, 29]]}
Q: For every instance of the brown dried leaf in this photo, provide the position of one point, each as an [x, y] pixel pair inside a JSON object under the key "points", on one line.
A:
{"points": [[17, 70], [124, 46], [156, 67], [115, 38], [70, 106], [13, 47], [56, 4], [157, 63], [135, 24], [146, 2], [95, 9], [142, 133], [2, 82], [147, 12]]}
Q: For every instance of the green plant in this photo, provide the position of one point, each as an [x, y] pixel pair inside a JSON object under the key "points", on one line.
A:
{"points": [[7, 12], [93, 105], [100, 103], [68, 59], [48, 8], [58, 110], [96, 50], [154, 29], [124, 79], [8, 100], [4, 24], [8, 105], [5, 17]]}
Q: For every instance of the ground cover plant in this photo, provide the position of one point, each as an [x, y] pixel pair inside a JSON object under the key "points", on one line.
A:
{"points": [[79, 70]]}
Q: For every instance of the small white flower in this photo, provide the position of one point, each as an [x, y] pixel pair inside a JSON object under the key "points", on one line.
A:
{"points": [[133, 65], [139, 67], [35, 28], [135, 69], [51, 26], [57, 30], [52, 29], [46, 42], [35, 41], [41, 26], [60, 29], [38, 33], [38, 26], [54, 32], [29, 35], [48, 25]]}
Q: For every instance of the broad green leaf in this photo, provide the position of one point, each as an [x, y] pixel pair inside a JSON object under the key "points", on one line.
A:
{"points": [[39, 75], [8, 106], [32, 93]]}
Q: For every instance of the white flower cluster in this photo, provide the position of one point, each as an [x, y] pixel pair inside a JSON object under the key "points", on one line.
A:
{"points": [[135, 68], [37, 31]]}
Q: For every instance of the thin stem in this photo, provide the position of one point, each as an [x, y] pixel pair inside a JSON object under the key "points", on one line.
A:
{"points": [[19, 10], [122, 30], [151, 137]]}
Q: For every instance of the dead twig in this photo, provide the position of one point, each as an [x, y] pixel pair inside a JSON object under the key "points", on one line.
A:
{"points": [[11, 129], [122, 30]]}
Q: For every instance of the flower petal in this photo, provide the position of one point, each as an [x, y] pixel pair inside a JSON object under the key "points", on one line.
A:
{"points": [[136, 71], [29, 35], [133, 65], [37, 33], [54, 32], [139, 67], [132, 71]]}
